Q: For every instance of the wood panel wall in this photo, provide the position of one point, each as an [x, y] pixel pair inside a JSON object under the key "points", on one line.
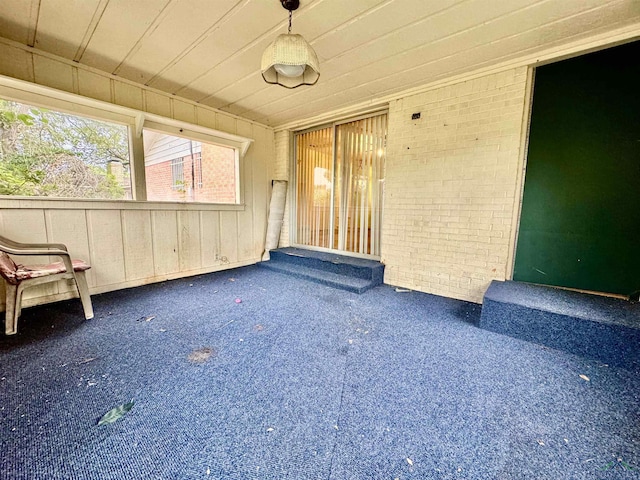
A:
{"points": [[136, 243]]}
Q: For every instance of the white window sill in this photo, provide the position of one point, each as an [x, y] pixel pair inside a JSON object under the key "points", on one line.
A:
{"points": [[95, 204]]}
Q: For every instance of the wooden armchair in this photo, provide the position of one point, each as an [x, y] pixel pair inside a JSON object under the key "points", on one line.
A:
{"points": [[18, 277]]}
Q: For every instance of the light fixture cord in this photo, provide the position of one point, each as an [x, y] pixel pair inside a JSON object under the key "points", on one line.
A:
{"points": [[290, 15]]}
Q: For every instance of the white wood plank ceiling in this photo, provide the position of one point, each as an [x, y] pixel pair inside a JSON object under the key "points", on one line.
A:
{"points": [[209, 51]]}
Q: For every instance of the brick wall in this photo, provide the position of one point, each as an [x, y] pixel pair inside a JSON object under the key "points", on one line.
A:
{"points": [[218, 175], [158, 178], [218, 178], [451, 184]]}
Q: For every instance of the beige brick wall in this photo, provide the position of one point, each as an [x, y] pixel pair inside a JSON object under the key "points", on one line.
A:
{"points": [[281, 172], [452, 184]]}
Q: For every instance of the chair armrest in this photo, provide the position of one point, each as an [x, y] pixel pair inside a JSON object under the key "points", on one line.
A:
{"points": [[18, 248], [35, 251], [55, 249], [58, 246]]}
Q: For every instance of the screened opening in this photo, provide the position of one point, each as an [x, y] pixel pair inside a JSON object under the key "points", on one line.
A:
{"points": [[181, 169], [47, 153]]}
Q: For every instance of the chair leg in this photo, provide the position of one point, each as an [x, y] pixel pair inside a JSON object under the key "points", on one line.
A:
{"points": [[83, 290], [19, 293], [11, 317]]}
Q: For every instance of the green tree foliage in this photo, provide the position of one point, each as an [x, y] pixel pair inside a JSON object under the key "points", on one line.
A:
{"points": [[46, 153]]}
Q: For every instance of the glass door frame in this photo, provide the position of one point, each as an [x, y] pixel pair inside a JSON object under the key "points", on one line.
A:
{"points": [[294, 186]]}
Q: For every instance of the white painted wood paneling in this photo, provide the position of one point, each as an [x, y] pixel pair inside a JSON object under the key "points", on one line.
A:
{"points": [[165, 242], [106, 245], [54, 17], [121, 26], [262, 171], [184, 111], [229, 236], [53, 73], [128, 95], [185, 24], [206, 117], [242, 63], [25, 226], [226, 123], [137, 245], [15, 62], [209, 51], [245, 217], [158, 104], [18, 19], [209, 239], [93, 85], [189, 240], [234, 31], [70, 228]]}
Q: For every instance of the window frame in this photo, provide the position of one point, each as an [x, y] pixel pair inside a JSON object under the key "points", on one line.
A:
{"points": [[135, 120], [193, 132], [197, 160]]}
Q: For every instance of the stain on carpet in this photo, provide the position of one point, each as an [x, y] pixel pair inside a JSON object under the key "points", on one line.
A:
{"points": [[201, 355]]}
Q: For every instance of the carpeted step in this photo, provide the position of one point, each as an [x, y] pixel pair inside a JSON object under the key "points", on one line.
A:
{"points": [[607, 329], [338, 271]]}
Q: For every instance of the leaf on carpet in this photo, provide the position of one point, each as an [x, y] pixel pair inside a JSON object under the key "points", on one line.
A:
{"points": [[116, 413], [87, 360]]}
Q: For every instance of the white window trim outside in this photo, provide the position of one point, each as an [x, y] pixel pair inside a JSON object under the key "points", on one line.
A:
{"points": [[46, 97]]}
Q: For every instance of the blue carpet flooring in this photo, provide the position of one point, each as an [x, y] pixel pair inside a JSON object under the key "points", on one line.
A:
{"points": [[303, 382]]}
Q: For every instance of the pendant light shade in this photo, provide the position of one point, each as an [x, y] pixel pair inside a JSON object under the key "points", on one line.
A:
{"points": [[290, 61]]}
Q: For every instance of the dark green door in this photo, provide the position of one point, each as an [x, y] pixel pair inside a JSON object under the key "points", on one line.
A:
{"points": [[580, 221]]}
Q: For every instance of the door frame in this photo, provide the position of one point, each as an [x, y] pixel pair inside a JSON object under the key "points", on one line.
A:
{"points": [[293, 185]]}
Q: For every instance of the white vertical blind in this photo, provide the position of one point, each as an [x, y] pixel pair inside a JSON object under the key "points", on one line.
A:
{"points": [[314, 165], [339, 194]]}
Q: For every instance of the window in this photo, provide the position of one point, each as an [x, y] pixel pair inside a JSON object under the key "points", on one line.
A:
{"points": [[58, 144], [177, 174], [47, 153], [186, 170]]}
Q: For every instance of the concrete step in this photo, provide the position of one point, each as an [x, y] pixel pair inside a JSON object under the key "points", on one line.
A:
{"points": [[338, 271], [607, 329]]}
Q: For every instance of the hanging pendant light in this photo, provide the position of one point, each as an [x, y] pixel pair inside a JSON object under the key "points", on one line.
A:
{"points": [[290, 61]]}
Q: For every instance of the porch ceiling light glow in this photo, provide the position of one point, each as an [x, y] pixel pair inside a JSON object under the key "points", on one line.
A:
{"points": [[290, 61]]}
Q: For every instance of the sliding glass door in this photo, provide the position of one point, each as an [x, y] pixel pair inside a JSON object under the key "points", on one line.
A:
{"points": [[339, 185]]}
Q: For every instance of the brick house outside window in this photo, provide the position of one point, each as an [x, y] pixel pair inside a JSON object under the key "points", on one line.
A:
{"points": [[184, 170]]}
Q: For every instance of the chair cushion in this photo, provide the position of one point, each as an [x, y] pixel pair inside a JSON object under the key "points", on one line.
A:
{"points": [[14, 273], [8, 268]]}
